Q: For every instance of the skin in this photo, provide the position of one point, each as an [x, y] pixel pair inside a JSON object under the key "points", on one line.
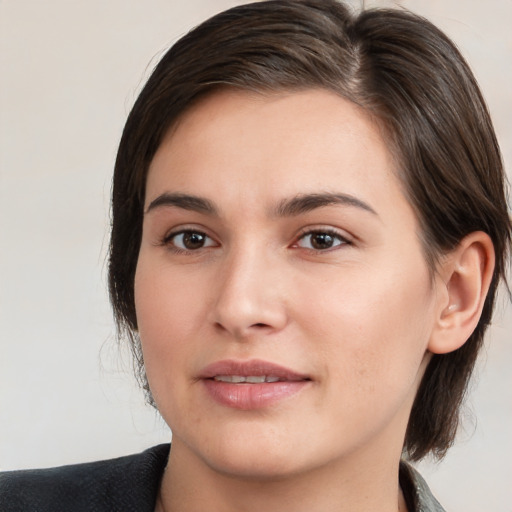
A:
{"points": [[356, 318]]}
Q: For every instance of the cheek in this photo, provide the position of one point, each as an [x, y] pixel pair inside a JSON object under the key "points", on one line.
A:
{"points": [[166, 317], [166, 302], [372, 325]]}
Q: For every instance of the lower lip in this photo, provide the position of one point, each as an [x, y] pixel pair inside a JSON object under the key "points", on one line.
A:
{"points": [[252, 396]]}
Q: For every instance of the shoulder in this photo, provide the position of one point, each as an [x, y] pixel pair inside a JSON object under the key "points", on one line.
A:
{"points": [[124, 484], [418, 496]]}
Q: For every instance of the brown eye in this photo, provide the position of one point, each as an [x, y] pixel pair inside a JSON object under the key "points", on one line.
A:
{"points": [[321, 240], [190, 240]]}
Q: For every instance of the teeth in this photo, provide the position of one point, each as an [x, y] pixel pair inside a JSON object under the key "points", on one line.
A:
{"points": [[252, 379]]}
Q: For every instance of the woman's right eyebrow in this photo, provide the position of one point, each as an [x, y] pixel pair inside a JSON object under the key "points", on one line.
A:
{"points": [[184, 201]]}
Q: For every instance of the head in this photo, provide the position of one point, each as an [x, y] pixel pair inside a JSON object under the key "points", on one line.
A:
{"points": [[436, 127]]}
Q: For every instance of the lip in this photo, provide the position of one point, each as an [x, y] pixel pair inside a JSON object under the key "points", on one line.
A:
{"points": [[247, 396]]}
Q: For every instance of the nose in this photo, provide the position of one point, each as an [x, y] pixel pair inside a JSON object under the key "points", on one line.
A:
{"points": [[250, 297]]}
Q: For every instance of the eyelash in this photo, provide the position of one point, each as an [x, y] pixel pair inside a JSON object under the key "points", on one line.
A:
{"points": [[342, 240], [168, 240]]}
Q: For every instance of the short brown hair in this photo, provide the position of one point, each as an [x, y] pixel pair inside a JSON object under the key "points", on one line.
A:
{"points": [[398, 67]]}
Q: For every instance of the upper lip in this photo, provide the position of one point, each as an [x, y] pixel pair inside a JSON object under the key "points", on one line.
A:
{"points": [[251, 368]]}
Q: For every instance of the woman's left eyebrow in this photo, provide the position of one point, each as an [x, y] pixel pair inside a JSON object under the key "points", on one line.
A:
{"points": [[304, 203]]}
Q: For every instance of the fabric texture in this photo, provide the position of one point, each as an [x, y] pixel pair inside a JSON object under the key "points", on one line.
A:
{"points": [[125, 484], [130, 484], [417, 494]]}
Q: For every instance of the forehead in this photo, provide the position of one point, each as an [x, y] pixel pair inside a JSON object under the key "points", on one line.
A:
{"points": [[262, 147]]}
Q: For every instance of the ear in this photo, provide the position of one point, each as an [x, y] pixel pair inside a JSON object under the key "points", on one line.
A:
{"points": [[464, 277]]}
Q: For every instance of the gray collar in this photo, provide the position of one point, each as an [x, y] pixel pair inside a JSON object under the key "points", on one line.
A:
{"points": [[417, 494]]}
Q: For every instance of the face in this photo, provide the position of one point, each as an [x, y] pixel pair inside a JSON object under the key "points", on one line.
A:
{"points": [[283, 301]]}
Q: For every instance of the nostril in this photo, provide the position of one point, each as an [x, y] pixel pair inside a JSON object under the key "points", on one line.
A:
{"points": [[259, 325]]}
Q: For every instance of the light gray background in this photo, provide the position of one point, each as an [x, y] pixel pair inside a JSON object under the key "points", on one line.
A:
{"points": [[70, 71]]}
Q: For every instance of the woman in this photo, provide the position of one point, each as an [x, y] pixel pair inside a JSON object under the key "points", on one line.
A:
{"points": [[309, 228]]}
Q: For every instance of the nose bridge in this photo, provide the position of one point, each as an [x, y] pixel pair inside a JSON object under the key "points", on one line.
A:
{"points": [[248, 297]]}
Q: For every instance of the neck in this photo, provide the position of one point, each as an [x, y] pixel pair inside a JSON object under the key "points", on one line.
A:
{"points": [[355, 485]]}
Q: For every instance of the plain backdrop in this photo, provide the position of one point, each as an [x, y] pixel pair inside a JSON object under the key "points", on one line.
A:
{"points": [[70, 71]]}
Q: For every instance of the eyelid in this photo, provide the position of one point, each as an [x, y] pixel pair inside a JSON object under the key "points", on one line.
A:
{"points": [[166, 239], [181, 228], [345, 238]]}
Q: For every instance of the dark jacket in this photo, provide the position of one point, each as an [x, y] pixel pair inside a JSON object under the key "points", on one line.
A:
{"points": [[129, 484], [125, 484]]}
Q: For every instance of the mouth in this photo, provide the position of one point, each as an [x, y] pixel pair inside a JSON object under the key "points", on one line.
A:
{"points": [[250, 379], [251, 384]]}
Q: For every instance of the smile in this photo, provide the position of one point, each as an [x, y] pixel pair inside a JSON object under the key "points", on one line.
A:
{"points": [[240, 379], [251, 384]]}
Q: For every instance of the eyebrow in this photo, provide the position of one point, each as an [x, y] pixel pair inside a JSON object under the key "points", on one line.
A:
{"points": [[184, 201], [304, 203], [294, 206]]}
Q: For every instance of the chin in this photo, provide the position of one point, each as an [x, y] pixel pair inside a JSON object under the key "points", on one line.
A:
{"points": [[254, 466], [263, 458]]}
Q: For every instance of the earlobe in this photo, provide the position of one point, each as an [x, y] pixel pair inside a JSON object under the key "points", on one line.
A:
{"points": [[466, 275]]}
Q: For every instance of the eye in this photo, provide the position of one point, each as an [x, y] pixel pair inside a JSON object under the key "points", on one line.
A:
{"points": [[189, 240], [321, 240]]}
